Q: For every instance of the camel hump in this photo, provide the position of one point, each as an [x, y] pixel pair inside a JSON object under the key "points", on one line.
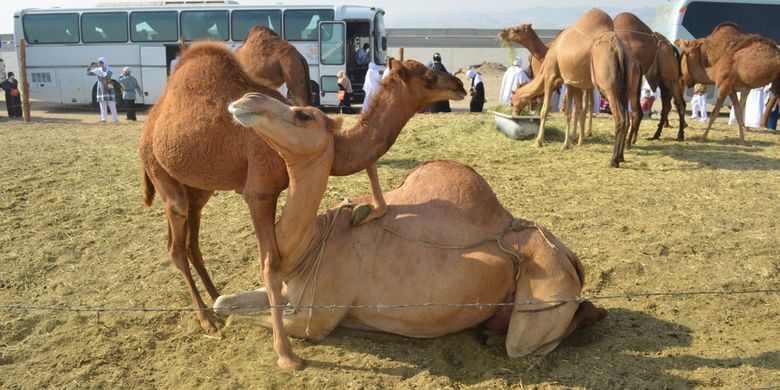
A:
{"points": [[594, 21], [630, 22], [451, 196]]}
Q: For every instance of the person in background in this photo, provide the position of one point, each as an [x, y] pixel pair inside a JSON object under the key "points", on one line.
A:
{"points": [[444, 105], [345, 93], [2, 69], [477, 91], [699, 103], [13, 99], [105, 94], [513, 77], [648, 99], [364, 55], [129, 87], [371, 85], [174, 62]]}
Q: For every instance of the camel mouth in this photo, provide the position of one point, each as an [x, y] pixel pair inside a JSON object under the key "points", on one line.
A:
{"points": [[242, 115]]}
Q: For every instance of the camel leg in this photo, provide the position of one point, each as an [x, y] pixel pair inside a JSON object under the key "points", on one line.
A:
{"points": [[768, 111], [549, 84], [636, 114], [176, 207], [365, 212], [198, 199], [739, 110], [262, 207], [715, 111], [666, 106], [570, 113], [679, 105], [619, 112], [589, 103], [580, 116]]}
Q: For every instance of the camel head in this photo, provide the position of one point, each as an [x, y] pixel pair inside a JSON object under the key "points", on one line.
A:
{"points": [[295, 132], [427, 85], [515, 34], [687, 46], [519, 100]]}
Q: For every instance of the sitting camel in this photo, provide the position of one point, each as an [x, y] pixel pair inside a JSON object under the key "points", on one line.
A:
{"points": [[587, 55], [525, 35], [274, 61], [753, 63], [190, 148], [415, 255], [659, 61]]}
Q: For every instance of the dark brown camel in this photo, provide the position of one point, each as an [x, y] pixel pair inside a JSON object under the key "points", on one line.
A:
{"points": [[274, 61], [660, 64], [190, 147]]}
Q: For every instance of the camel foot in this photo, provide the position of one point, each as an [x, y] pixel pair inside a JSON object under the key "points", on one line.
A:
{"points": [[365, 212], [291, 363], [653, 138], [565, 147], [207, 322], [680, 138], [614, 164], [742, 142], [537, 144]]}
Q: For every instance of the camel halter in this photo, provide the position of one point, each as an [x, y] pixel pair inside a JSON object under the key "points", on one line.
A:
{"points": [[318, 247]]}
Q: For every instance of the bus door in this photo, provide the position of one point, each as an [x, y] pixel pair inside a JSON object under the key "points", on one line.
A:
{"points": [[333, 58], [154, 73]]}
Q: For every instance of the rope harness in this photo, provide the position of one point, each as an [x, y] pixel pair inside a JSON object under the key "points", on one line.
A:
{"points": [[314, 254]]}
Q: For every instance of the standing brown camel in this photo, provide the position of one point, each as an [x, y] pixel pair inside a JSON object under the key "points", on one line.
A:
{"points": [[753, 63], [588, 55], [525, 35], [660, 64], [273, 62], [328, 263], [190, 147]]}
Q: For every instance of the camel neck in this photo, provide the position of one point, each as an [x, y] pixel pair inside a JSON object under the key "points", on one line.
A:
{"points": [[535, 46], [698, 68], [296, 227], [376, 131]]}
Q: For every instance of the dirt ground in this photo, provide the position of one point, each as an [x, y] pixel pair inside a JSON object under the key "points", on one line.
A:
{"points": [[687, 216]]}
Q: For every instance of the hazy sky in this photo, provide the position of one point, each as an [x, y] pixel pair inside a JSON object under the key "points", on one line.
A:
{"points": [[392, 7]]}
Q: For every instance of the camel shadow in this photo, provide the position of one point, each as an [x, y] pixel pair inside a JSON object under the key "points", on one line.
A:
{"points": [[628, 349], [403, 164], [715, 155]]}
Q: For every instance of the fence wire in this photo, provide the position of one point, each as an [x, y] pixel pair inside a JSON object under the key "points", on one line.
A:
{"points": [[478, 305]]}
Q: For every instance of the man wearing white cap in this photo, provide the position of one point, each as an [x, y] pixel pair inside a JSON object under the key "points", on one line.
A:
{"points": [[513, 77], [129, 87]]}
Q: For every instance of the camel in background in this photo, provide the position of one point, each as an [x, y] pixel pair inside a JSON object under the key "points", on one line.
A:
{"points": [[753, 63], [397, 260], [273, 62], [587, 55], [190, 147], [660, 63], [525, 35]]}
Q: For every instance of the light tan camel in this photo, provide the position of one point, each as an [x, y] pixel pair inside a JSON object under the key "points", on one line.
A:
{"points": [[752, 63], [587, 55], [190, 147], [525, 35], [660, 64], [397, 261], [274, 61]]}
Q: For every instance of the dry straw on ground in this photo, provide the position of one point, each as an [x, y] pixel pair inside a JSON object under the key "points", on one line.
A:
{"points": [[677, 216]]}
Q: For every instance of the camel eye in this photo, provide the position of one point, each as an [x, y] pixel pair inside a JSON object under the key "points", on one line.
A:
{"points": [[302, 116], [431, 81]]}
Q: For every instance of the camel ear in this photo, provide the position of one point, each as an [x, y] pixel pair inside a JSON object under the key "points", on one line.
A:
{"points": [[334, 124], [399, 68]]}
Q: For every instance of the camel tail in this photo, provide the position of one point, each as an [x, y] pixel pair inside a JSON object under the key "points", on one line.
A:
{"points": [[146, 182], [622, 76]]}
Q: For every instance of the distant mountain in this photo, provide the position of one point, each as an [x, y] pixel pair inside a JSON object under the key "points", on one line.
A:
{"points": [[541, 17]]}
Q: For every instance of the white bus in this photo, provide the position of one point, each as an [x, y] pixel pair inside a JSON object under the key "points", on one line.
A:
{"points": [[689, 19], [145, 37]]}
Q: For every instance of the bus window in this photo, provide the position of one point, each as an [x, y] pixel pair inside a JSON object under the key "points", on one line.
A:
{"points": [[104, 27], [332, 44], [301, 25], [701, 17], [51, 28], [380, 40], [157, 26], [204, 25], [243, 21]]}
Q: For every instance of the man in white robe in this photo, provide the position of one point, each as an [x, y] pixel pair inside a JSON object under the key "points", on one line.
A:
{"points": [[513, 77], [754, 108], [371, 85]]}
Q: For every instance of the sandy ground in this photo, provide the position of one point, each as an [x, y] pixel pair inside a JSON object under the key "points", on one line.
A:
{"points": [[685, 216]]}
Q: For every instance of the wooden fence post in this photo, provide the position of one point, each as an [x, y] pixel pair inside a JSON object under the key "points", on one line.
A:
{"points": [[23, 78]]}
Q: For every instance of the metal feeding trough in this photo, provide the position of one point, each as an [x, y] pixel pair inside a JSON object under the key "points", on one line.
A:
{"points": [[517, 127]]}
